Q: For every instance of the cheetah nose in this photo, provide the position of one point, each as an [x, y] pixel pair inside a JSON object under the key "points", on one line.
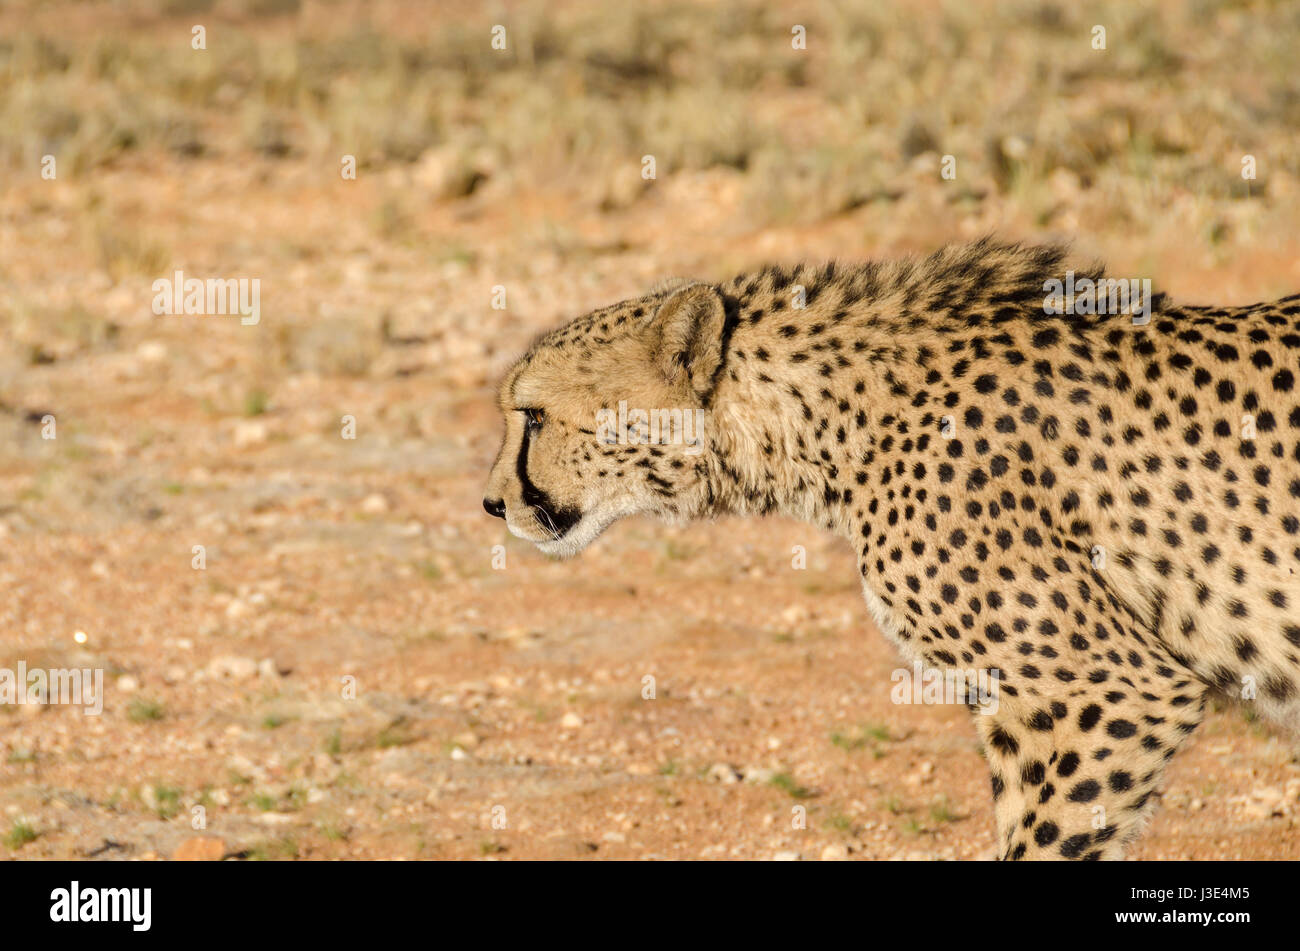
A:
{"points": [[495, 507]]}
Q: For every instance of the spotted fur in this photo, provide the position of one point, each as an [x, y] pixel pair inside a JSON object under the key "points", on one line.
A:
{"points": [[1113, 525]]}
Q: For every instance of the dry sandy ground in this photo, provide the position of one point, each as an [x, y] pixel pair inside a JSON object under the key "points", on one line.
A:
{"points": [[500, 710]]}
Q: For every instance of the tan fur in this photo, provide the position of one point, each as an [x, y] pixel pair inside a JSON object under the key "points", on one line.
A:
{"points": [[1113, 525]]}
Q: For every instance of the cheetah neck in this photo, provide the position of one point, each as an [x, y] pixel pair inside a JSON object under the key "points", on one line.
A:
{"points": [[827, 368], [834, 413]]}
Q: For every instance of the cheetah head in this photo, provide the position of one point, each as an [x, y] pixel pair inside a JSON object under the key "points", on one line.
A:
{"points": [[606, 417]]}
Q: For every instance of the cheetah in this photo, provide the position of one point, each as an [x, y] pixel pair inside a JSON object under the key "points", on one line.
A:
{"points": [[1101, 511]]}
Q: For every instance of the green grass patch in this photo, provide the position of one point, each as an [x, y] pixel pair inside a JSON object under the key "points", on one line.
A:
{"points": [[786, 782], [144, 710], [19, 834]]}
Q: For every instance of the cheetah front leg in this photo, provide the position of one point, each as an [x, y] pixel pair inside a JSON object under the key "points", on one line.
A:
{"points": [[1074, 775]]}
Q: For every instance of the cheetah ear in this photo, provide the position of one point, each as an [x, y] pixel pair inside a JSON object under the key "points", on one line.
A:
{"points": [[686, 336]]}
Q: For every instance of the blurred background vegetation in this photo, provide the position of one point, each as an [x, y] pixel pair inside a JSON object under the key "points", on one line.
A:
{"points": [[1014, 90]]}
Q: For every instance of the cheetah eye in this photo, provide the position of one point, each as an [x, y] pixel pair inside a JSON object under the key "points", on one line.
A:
{"points": [[533, 418]]}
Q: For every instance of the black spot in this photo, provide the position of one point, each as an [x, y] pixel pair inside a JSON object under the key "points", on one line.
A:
{"points": [[1120, 729], [1086, 791], [1003, 741], [1046, 833], [1072, 847]]}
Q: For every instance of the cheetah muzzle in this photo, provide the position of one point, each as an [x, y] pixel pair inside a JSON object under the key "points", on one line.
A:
{"points": [[1100, 510]]}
